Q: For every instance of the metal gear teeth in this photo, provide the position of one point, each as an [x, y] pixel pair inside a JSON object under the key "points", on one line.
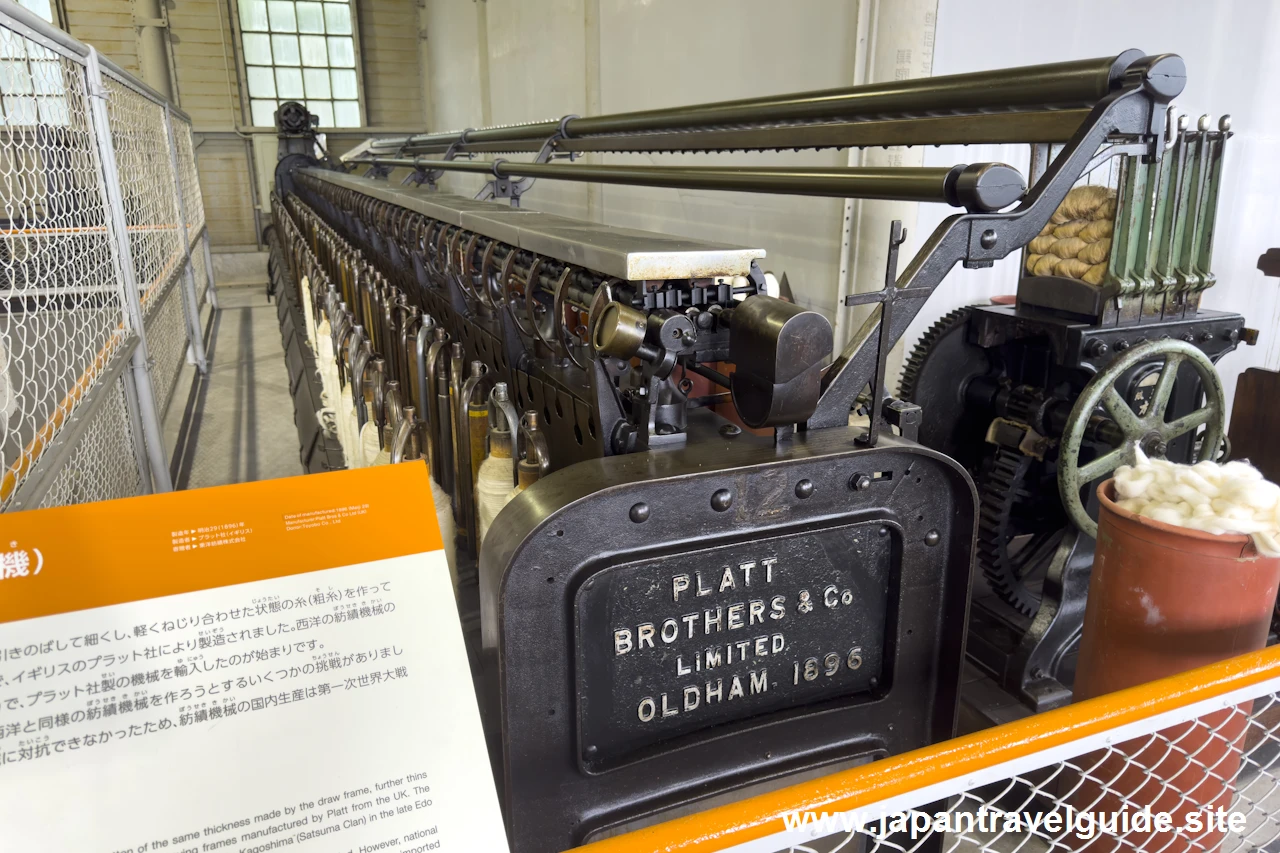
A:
{"points": [[999, 492], [921, 351]]}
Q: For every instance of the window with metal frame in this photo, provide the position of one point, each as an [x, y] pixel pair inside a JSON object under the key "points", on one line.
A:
{"points": [[301, 50], [43, 8], [32, 86]]}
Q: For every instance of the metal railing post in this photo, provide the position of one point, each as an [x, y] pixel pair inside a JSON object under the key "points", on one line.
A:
{"points": [[134, 412], [212, 292], [187, 283], [117, 226]]}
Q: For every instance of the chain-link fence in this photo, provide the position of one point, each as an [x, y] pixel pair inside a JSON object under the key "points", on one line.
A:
{"points": [[102, 224], [1208, 784], [1187, 763]]}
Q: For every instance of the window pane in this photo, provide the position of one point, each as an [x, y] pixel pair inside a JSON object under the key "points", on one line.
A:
{"points": [[15, 79], [41, 8], [323, 110], [11, 44], [47, 79], [285, 49], [314, 54], [344, 84], [262, 83], [346, 114], [54, 111], [317, 82], [253, 15], [257, 49], [263, 113], [282, 19], [288, 83], [318, 66], [338, 19], [310, 18], [342, 53], [19, 110]]}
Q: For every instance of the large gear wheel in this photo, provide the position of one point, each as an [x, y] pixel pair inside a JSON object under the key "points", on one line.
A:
{"points": [[935, 376], [1018, 531]]}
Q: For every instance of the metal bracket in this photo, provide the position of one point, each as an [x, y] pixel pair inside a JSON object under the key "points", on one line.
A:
{"points": [[422, 343], [905, 416], [531, 444], [500, 403], [504, 187], [357, 152], [1135, 149], [377, 172], [421, 176], [462, 461]]}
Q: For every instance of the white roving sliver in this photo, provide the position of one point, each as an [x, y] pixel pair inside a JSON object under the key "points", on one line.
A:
{"points": [[1228, 498], [444, 515], [493, 487]]}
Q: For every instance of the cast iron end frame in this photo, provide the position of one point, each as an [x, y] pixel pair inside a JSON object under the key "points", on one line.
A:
{"points": [[1135, 109]]}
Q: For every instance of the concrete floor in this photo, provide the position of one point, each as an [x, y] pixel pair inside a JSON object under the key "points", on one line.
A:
{"points": [[236, 423]]}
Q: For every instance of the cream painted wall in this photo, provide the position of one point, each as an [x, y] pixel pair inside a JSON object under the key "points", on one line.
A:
{"points": [[653, 53]]}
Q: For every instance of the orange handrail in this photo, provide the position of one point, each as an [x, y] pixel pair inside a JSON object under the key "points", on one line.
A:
{"points": [[761, 816]]}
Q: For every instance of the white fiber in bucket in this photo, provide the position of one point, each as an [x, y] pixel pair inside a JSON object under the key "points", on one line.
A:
{"points": [[1228, 498]]}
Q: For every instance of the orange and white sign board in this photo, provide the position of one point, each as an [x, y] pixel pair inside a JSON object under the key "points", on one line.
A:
{"points": [[268, 666]]}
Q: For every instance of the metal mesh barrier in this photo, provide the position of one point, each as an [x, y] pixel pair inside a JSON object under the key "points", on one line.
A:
{"points": [[103, 465], [62, 311], [146, 182], [1186, 764], [192, 201], [1210, 783], [167, 339], [90, 201], [201, 277]]}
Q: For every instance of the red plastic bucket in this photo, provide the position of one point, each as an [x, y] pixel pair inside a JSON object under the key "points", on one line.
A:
{"points": [[1163, 600]]}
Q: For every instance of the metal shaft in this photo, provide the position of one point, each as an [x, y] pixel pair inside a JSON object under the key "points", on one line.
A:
{"points": [[1058, 84], [983, 186]]}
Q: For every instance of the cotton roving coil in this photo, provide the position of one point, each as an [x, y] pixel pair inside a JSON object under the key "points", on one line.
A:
{"points": [[444, 515], [1227, 498], [493, 485], [1076, 243]]}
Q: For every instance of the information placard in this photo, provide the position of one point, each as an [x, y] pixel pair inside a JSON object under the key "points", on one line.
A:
{"points": [[268, 666]]}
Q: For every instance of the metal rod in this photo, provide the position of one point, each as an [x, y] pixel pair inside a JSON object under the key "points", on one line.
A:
{"points": [[187, 282], [1080, 83], [706, 373], [211, 293], [1015, 127], [985, 186], [134, 413], [1056, 125]]}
